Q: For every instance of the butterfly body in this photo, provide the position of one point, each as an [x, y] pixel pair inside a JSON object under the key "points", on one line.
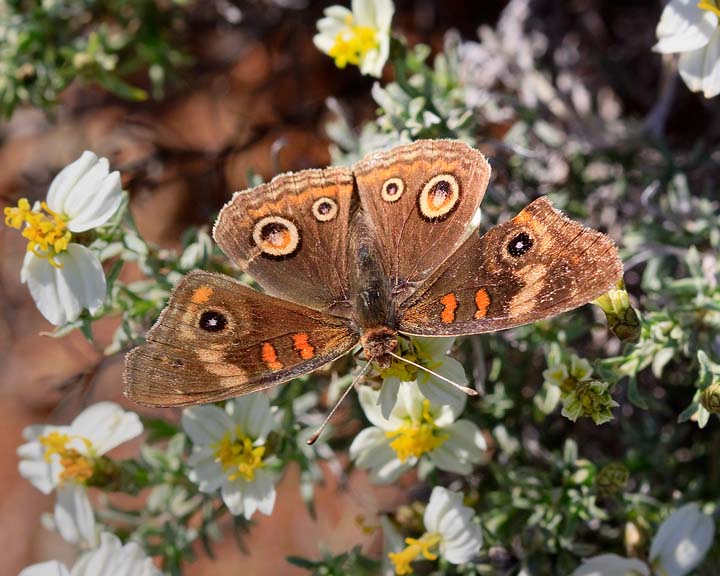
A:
{"points": [[362, 255]]}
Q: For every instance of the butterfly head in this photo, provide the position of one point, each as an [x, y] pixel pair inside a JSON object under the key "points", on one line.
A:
{"points": [[378, 343]]}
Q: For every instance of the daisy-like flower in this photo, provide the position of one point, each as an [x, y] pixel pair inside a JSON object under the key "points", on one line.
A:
{"points": [[229, 452], [62, 459], [360, 37], [449, 532], [111, 558], [679, 547], [415, 429], [63, 276], [432, 353], [692, 29]]}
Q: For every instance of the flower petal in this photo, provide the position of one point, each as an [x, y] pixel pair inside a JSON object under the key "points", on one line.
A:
{"points": [[233, 498], [441, 500], [370, 403], [49, 290], [711, 73], [94, 198], [206, 472], [388, 395], [252, 414], [66, 179], [107, 425], [440, 392], [206, 424], [611, 565], [264, 491], [683, 540], [691, 66], [111, 558], [60, 294], [51, 568], [43, 475], [370, 450], [683, 27], [74, 518]]}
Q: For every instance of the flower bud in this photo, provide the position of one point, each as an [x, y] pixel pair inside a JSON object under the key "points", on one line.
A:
{"points": [[612, 479], [622, 318], [710, 398]]}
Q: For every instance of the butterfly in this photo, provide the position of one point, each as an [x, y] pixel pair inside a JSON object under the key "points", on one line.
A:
{"points": [[362, 255]]}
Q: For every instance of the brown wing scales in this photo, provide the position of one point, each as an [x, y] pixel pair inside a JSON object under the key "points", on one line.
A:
{"points": [[420, 199], [217, 339], [534, 266], [291, 236]]}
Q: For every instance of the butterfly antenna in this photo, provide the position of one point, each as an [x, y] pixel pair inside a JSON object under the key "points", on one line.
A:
{"points": [[468, 391], [316, 435]]}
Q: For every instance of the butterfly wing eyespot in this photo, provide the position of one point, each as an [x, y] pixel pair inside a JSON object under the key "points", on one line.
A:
{"points": [[324, 209], [439, 197], [276, 236], [392, 189], [520, 244], [213, 321]]}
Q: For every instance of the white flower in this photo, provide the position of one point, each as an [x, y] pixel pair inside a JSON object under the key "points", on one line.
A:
{"points": [[111, 558], [360, 37], [415, 428], [681, 543], [612, 565], [60, 458], [692, 29], [432, 353], [63, 276], [229, 452], [449, 530]]}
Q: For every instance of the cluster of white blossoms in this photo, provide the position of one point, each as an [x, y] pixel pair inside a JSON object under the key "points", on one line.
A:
{"points": [[679, 546], [64, 276], [61, 459], [691, 28]]}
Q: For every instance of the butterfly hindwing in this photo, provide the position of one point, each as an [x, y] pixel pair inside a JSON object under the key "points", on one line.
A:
{"points": [[420, 199], [534, 266], [217, 339]]}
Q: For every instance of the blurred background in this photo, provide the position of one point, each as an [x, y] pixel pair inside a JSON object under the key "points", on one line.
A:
{"points": [[189, 99]]}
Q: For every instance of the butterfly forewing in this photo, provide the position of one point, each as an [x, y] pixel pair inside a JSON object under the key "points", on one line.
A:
{"points": [[420, 199], [534, 266], [217, 339], [291, 236]]}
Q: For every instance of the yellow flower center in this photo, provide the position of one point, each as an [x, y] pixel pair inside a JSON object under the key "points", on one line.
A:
{"points": [[76, 467], [46, 232], [352, 43], [416, 546], [238, 457], [710, 5], [416, 438]]}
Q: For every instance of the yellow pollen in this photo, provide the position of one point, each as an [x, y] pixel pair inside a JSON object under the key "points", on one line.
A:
{"points": [[76, 467], [352, 43], [710, 5], [416, 438], [46, 232], [238, 457], [416, 546]]}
